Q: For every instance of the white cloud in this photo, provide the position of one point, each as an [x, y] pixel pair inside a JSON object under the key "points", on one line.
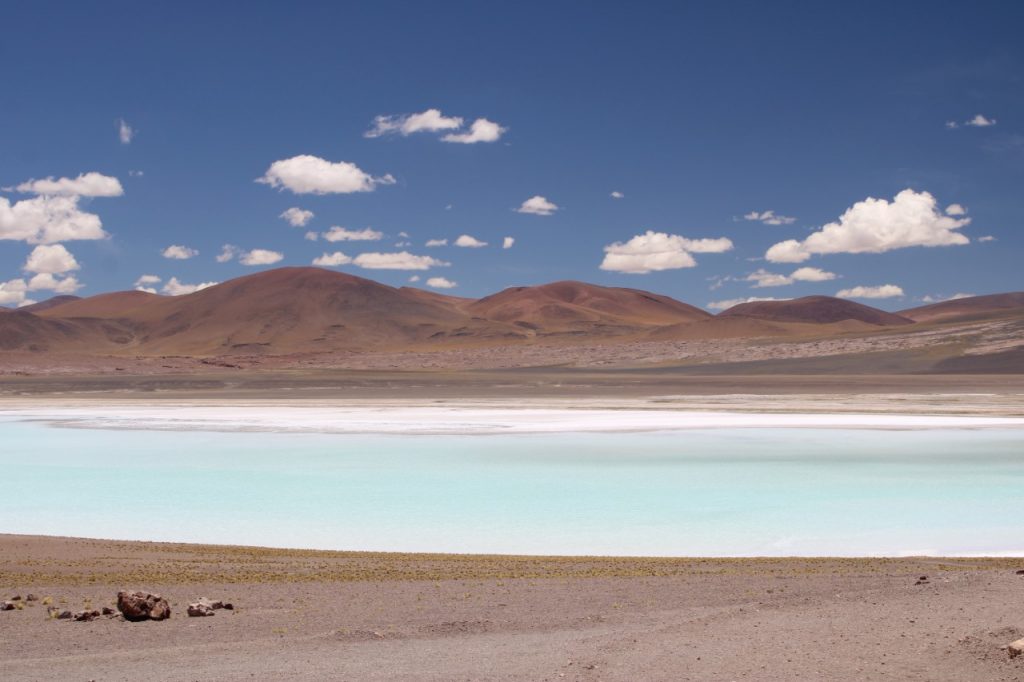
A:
{"points": [[311, 236], [179, 252], [482, 130], [537, 205], [306, 174], [147, 279], [125, 132], [297, 217], [508, 242], [228, 253], [402, 260], [980, 121], [877, 226], [987, 238], [260, 257], [469, 242], [729, 303], [952, 125], [429, 121], [437, 242], [956, 209], [403, 235], [654, 251], [762, 278], [940, 299], [47, 220], [135, 173], [52, 260], [90, 184], [414, 278], [340, 234], [175, 288], [148, 290], [617, 195], [332, 259], [769, 218], [13, 292], [441, 283], [58, 285], [883, 291]]}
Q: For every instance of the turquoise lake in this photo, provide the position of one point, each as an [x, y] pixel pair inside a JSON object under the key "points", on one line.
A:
{"points": [[757, 491]]}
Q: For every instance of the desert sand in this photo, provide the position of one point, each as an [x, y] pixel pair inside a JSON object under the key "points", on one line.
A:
{"points": [[306, 615]]}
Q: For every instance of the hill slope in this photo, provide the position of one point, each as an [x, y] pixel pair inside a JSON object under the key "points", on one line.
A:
{"points": [[966, 308], [815, 310]]}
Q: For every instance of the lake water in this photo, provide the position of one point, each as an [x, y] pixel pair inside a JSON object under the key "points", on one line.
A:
{"points": [[747, 491]]}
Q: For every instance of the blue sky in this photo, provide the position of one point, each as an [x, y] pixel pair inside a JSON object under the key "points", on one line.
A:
{"points": [[700, 115]]}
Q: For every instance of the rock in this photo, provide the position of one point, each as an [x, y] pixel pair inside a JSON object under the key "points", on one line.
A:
{"points": [[1020, 572], [16, 597], [64, 615], [1015, 649], [7, 606], [136, 606], [200, 609], [52, 611], [228, 606], [31, 597], [86, 616], [107, 611]]}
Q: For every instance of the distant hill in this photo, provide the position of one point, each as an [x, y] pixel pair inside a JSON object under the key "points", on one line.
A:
{"points": [[49, 303], [967, 308], [815, 310]]}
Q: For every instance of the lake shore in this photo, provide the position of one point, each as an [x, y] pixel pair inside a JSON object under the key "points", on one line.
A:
{"points": [[310, 615]]}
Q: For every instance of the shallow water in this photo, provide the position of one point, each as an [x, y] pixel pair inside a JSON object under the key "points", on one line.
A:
{"points": [[694, 492]]}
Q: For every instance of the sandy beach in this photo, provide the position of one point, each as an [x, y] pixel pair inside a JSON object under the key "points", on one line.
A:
{"points": [[303, 615]]}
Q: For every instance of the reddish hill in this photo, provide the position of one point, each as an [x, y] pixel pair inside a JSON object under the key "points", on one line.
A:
{"points": [[21, 330], [117, 304], [967, 308], [49, 303], [815, 310], [576, 306]]}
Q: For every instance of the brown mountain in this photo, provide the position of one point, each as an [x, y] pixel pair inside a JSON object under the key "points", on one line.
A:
{"points": [[118, 304], [576, 307], [815, 310], [49, 303], [972, 307]]}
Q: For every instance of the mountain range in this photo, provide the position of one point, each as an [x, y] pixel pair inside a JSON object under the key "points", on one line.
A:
{"points": [[312, 310]]}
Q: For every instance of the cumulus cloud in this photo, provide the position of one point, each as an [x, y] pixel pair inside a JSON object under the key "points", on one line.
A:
{"points": [[297, 217], [654, 251], [90, 184], [53, 260], [311, 236], [228, 253], [47, 220], [328, 260], [429, 121], [143, 283], [763, 278], [769, 218], [987, 238], [414, 278], [537, 205], [402, 260], [730, 302], [179, 252], [13, 292], [441, 283], [939, 299], [175, 288], [340, 234], [980, 121], [617, 195], [956, 209], [481, 130], [58, 285], [437, 242], [877, 226], [125, 132], [883, 291], [508, 242], [469, 242], [306, 174], [260, 257]]}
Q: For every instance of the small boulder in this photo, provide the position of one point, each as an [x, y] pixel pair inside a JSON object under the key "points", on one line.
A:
{"points": [[1020, 572], [7, 606], [31, 597], [200, 609], [86, 616], [136, 606], [64, 615], [107, 611], [1015, 649]]}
